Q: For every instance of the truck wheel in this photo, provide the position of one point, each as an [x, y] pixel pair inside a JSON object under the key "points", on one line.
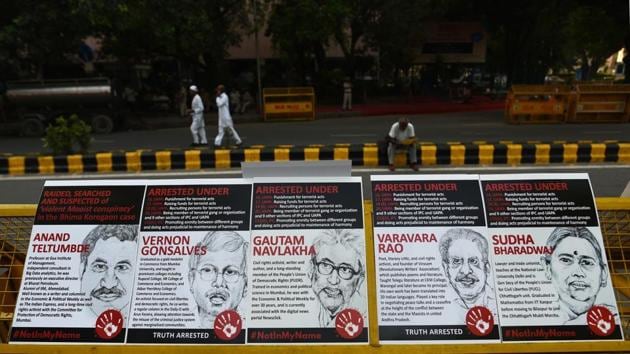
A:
{"points": [[102, 124], [32, 127]]}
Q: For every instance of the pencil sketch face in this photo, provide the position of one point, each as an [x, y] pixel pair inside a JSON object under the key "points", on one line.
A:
{"points": [[575, 271], [109, 273], [466, 269], [336, 276], [218, 283]]}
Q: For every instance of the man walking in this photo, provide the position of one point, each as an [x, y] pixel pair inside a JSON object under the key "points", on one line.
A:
{"points": [[225, 119], [198, 126]]}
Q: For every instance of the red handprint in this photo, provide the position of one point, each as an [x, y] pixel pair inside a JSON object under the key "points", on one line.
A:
{"points": [[228, 325], [601, 321], [349, 323], [109, 324], [479, 321]]}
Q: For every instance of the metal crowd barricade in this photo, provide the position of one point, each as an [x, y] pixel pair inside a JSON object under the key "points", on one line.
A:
{"points": [[289, 103], [537, 104], [16, 222], [600, 103], [614, 215]]}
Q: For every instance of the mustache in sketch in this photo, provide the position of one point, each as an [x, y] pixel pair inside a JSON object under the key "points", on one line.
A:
{"points": [[105, 291], [331, 291], [222, 293], [467, 278]]}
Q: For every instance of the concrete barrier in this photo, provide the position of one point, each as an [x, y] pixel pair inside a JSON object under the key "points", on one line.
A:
{"points": [[368, 155]]}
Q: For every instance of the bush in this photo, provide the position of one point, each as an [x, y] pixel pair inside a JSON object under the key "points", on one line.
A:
{"points": [[67, 136]]}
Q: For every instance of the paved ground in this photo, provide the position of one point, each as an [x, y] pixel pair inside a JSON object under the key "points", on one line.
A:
{"points": [[435, 127]]}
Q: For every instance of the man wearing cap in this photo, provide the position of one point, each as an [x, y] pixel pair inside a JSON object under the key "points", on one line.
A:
{"points": [[198, 126], [225, 119]]}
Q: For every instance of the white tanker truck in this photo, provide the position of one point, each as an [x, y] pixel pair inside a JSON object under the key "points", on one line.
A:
{"points": [[30, 106]]}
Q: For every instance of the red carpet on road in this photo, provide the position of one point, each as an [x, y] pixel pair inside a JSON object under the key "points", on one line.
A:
{"points": [[420, 105]]}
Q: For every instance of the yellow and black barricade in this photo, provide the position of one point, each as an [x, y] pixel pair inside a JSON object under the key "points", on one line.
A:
{"points": [[289, 103], [367, 154], [537, 104], [600, 103]]}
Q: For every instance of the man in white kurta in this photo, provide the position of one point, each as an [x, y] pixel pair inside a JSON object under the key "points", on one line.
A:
{"points": [[347, 94], [225, 119], [198, 126]]}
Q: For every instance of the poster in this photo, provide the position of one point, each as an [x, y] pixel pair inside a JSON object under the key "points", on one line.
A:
{"points": [[308, 262], [78, 277], [434, 279], [551, 270], [191, 282]]}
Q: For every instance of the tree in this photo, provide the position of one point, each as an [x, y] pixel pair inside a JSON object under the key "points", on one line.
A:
{"points": [[397, 32], [196, 33], [34, 33], [300, 31], [529, 37], [590, 46], [524, 37], [353, 21]]}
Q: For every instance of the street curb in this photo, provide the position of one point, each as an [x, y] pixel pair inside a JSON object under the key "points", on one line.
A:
{"points": [[369, 155]]}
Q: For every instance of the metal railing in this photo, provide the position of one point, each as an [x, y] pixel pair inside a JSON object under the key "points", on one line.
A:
{"points": [[614, 213]]}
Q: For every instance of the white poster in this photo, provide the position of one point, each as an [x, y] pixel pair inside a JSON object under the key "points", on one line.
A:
{"points": [[434, 275], [78, 278], [308, 262], [552, 275], [191, 283]]}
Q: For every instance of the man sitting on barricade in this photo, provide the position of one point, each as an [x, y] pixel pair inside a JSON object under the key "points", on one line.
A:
{"points": [[402, 136]]}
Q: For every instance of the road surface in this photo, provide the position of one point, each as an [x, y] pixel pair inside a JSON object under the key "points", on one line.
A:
{"points": [[463, 127]]}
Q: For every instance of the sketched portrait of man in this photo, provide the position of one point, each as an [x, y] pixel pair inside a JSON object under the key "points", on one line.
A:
{"points": [[577, 271], [108, 268], [464, 254], [218, 279], [337, 273]]}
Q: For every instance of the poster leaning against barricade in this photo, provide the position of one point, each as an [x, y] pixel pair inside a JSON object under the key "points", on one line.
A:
{"points": [[191, 278], [552, 275], [307, 262], [78, 277], [434, 279]]}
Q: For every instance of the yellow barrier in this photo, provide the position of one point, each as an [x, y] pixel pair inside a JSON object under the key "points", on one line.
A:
{"points": [[289, 103], [597, 103], [587, 103], [614, 214], [537, 104]]}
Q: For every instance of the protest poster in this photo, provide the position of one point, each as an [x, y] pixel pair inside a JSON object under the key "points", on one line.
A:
{"points": [[191, 282], [79, 271], [308, 262], [434, 279], [552, 276]]}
